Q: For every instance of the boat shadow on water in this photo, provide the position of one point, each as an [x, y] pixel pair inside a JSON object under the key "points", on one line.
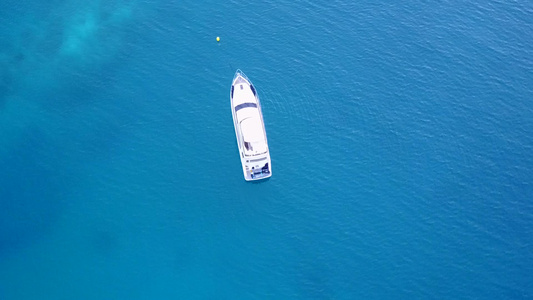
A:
{"points": [[259, 181]]}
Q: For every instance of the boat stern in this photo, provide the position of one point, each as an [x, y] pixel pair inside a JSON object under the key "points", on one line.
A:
{"points": [[253, 171]]}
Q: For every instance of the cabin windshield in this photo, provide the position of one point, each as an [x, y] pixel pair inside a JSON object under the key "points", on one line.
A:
{"points": [[244, 105]]}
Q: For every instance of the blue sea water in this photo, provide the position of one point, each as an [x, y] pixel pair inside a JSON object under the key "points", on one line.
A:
{"points": [[401, 136]]}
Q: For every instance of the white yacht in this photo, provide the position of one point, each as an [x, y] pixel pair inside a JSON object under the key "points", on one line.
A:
{"points": [[250, 129]]}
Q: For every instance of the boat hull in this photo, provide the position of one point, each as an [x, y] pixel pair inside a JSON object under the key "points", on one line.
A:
{"points": [[249, 129]]}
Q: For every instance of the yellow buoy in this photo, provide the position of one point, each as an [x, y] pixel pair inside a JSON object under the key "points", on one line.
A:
{"points": [[218, 39]]}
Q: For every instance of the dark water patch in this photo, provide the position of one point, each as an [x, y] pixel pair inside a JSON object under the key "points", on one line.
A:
{"points": [[3, 93], [6, 83], [71, 47], [76, 84], [30, 193], [104, 242], [19, 57], [312, 279]]}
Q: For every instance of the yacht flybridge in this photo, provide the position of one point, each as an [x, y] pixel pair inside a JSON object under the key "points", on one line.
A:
{"points": [[250, 129]]}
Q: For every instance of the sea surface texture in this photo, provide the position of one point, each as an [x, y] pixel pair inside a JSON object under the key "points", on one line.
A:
{"points": [[401, 135]]}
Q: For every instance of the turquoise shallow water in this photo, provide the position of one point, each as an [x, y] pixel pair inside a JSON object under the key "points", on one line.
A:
{"points": [[401, 137]]}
